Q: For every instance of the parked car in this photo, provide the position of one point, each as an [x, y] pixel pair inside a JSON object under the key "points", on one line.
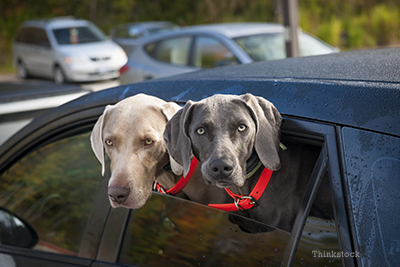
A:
{"points": [[55, 207], [127, 35], [65, 49], [213, 45]]}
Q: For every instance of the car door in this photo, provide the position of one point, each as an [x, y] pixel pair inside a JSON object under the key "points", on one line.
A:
{"points": [[53, 183], [169, 231], [42, 58]]}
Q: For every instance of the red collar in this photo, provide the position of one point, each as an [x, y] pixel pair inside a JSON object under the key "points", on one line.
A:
{"points": [[242, 202], [180, 184]]}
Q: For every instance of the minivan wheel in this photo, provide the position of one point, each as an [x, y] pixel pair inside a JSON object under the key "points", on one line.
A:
{"points": [[22, 72], [58, 75]]}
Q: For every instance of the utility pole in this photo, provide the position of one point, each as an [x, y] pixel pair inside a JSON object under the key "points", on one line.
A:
{"points": [[291, 23]]}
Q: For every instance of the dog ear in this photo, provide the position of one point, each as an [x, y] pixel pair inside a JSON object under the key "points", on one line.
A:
{"points": [[96, 138], [169, 109], [176, 137], [268, 122]]}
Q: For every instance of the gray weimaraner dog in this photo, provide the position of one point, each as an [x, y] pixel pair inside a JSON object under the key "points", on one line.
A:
{"points": [[225, 133], [131, 133]]}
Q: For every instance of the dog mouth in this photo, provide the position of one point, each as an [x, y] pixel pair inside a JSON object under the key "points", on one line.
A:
{"points": [[223, 184]]}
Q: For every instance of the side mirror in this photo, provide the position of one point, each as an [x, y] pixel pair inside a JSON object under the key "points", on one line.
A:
{"points": [[15, 231]]}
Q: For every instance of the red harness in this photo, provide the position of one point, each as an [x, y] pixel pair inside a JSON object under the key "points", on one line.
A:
{"points": [[241, 202], [180, 184]]}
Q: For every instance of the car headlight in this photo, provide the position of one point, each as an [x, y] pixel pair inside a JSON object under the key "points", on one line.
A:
{"points": [[74, 59]]}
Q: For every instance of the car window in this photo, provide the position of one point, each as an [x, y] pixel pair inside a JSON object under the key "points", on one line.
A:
{"points": [[311, 46], [174, 232], [27, 35], [263, 47], [174, 50], [210, 53], [319, 243], [372, 172], [78, 35], [53, 189], [41, 38]]}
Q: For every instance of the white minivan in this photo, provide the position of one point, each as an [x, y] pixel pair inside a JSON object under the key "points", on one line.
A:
{"points": [[66, 49]]}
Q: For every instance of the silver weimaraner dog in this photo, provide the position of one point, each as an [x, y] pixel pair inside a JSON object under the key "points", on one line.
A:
{"points": [[131, 133], [225, 133]]}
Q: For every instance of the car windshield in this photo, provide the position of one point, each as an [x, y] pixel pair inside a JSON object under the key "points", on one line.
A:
{"points": [[272, 46], [78, 35]]}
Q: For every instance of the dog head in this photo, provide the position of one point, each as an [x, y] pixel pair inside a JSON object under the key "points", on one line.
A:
{"points": [[131, 133], [222, 132]]}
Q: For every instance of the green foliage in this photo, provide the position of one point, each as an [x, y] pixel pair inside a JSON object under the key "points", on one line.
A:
{"points": [[384, 24], [331, 31]]}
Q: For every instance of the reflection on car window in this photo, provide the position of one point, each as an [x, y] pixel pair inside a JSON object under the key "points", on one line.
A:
{"points": [[263, 47], [169, 231], [372, 172], [311, 46], [210, 53], [272, 46], [174, 51], [319, 243], [78, 35], [53, 189]]}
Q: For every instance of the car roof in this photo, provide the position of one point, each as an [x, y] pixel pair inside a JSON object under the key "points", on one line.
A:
{"points": [[145, 24], [358, 89], [230, 30], [57, 22], [233, 30]]}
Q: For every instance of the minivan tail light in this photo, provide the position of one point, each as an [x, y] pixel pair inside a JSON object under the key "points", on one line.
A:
{"points": [[123, 69]]}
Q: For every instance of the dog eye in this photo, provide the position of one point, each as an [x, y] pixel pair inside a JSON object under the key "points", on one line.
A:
{"points": [[109, 142], [148, 142], [200, 131], [242, 127]]}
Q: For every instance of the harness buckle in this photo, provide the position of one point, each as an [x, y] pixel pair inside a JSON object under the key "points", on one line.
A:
{"points": [[252, 202]]}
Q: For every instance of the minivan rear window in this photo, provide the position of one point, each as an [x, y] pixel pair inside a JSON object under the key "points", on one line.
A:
{"points": [[78, 35]]}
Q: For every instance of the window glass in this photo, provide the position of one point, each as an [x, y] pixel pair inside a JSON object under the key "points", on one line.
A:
{"points": [[210, 53], [54, 189], [263, 47], [169, 231], [372, 171], [41, 38], [174, 51], [272, 46], [311, 46], [319, 243], [27, 35], [78, 35]]}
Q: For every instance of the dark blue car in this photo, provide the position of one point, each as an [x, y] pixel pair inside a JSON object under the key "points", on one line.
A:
{"points": [[54, 206]]}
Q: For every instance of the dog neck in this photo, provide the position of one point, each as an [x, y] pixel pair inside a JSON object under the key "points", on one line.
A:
{"points": [[252, 163]]}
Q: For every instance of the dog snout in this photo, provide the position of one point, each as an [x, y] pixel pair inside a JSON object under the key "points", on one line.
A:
{"points": [[221, 169], [118, 194]]}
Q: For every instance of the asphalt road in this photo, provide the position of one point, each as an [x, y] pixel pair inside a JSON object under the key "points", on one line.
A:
{"points": [[10, 83], [22, 100]]}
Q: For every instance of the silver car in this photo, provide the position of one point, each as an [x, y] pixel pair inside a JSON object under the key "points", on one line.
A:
{"points": [[128, 34], [65, 49], [214, 45]]}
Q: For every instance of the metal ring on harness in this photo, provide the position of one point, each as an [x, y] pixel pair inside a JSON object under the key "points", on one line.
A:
{"points": [[237, 199]]}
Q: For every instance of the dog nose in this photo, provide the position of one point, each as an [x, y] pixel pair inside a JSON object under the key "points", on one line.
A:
{"points": [[118, 194], [220, 168]]}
